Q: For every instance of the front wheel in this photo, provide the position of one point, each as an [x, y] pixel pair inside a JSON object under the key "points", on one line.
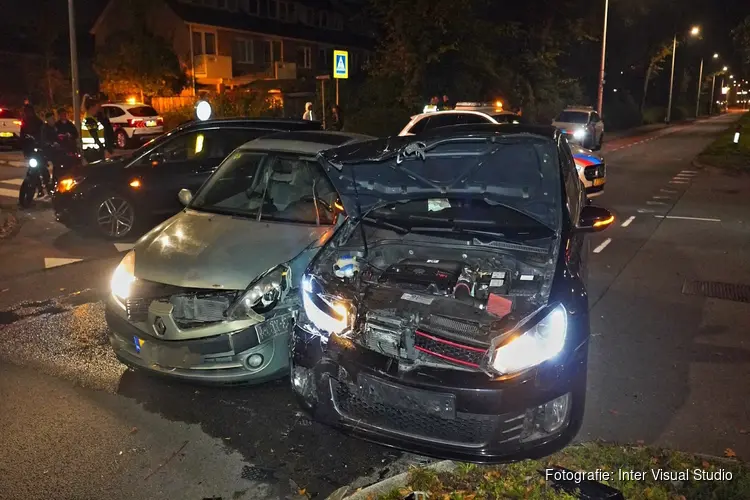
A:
{"points": [[26, 193], [114, 216]]}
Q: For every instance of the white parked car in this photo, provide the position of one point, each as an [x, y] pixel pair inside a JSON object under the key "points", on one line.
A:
{"points": [[582, 125], [464, 114], [133, 123], [10, 128]]}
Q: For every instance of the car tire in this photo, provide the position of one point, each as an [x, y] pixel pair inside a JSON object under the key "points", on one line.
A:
{"points": [[122, 139], [114, 216]]}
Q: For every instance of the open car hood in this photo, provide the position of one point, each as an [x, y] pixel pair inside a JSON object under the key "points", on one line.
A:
{"points": [[399, 169]]}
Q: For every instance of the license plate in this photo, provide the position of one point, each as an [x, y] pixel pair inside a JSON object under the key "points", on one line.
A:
{"points": [[599, 182], [433, 403], [138, 344], [6, 134], [151, 123]]}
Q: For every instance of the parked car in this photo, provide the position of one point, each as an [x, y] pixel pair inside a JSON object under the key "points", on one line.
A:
{"points": [[210, 295], [592, 170], [448, 316], [133, 123], [119, 196], [10, 128], [465, 113], [582, 125]]}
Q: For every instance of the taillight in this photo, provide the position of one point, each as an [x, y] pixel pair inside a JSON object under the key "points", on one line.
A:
{"points": [[17, 122], [160, 122], [136, 122]]}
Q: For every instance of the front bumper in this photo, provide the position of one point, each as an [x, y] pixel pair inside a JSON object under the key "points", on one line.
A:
{"points": [[12, 141], [491, 421], [70, 208], [220, 359]]}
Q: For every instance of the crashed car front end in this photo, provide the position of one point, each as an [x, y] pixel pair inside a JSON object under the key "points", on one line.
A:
{"points": [[202, 335], [454, 346]]}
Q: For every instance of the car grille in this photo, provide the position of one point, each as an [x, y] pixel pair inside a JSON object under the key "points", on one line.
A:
{"points": [[465, 429], [137, 309], [448, 351], [595, 172]]}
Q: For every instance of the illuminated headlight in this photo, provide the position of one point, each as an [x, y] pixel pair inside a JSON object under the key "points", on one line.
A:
{"points": [[324, 313], [579, 134], [263, 294], [542, 342], [123, 277], [33, 163]]}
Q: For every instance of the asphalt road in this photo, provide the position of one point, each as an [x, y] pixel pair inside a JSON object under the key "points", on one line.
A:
{"points": [[665, 368]]}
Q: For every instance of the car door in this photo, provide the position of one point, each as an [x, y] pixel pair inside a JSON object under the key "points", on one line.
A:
{"points": [[575, 199]]}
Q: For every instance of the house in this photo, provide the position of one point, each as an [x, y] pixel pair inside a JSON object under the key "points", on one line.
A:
{"points": [[237, 42]]}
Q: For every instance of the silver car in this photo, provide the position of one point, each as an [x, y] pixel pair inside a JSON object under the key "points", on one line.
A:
{"points": [[210, 295]]}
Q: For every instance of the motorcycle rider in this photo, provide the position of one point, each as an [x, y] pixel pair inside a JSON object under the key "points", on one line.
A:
{"points": [[49, 144], [31, 137]]}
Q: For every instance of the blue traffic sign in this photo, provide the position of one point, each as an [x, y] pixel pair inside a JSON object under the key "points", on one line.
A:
{"points": [[340, 64]]}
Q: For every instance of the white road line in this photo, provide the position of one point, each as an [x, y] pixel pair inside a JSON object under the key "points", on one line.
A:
{"points": [[678, 182], [645, 211], [12, 182], [603, 245], [705, 219], [650, 202], [662, 197], [10, 193], [690, 171], [124, 247], [53, 262], [670, 191], [629, 221]]}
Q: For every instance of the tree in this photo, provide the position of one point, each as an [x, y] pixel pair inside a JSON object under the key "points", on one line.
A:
{"points": [[653, 68], [136, 61], [741, 37]]}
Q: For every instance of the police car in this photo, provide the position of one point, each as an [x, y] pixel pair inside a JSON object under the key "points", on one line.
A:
{"points": [[582, 125], [591, 168], [10, 128], [463, 114]]}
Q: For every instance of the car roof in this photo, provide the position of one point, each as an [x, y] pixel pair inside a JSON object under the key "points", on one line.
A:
{"points": [[305, 141], [279, 124], [488, 129], [464, 111], [587, 109]]}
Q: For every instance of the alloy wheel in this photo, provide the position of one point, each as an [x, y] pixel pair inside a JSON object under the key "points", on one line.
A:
{"points": [[115, 217], [122, 140]]}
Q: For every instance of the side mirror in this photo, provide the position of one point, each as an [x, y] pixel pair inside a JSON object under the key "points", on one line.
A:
{"points": [[185, 196], [594, 219]]}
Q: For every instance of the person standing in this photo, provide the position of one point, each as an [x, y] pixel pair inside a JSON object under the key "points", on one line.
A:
{"points": [[308, 115], [98, 150], [67, 129], [109, 132], [31, 131], [447, 104], [337, 122]]}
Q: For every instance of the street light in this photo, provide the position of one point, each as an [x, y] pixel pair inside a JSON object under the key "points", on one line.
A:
{"points": [[695, 31], [725, 68], [600, 96], [716, 56]]}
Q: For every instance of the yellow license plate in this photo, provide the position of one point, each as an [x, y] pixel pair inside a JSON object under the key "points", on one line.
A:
{"points": [[600, 181], [6, 134], [151, 123]]}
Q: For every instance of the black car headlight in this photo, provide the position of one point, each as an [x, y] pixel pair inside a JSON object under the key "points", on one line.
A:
{"points": [[544, 340], [263, 294], [324, 313]]}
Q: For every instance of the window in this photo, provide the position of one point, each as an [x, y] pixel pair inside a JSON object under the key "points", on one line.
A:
{"points": [[306, 15], [141, 111], [325, 57], [323, 19], [251, 7], [573, 184], [113, 111], [304, 57], [286, 11], [193, 145], [445, 120], [273, 9], [338, 22], [272, 51], [595, 118], [204, 42], [243, 51], [472, 119]]}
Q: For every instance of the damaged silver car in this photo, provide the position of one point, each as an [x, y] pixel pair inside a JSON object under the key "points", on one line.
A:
{"points": [[210, 294]]}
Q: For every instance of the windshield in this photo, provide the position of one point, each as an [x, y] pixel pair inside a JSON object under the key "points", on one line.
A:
{"points": [[573, 117], [507, 118], [269, 186], [143, 111]]}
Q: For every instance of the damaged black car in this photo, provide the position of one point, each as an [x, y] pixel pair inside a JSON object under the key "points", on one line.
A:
{"points": [[448, 316]]}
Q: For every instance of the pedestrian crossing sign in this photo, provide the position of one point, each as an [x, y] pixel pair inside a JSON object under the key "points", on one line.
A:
{"points": [[340, 64]]}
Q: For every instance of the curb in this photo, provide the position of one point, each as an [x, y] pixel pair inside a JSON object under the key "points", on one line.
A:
{"points": [[387, 485]]}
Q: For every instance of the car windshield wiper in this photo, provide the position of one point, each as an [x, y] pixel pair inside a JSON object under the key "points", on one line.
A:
{"points": [[385, 224], [514, 236]]}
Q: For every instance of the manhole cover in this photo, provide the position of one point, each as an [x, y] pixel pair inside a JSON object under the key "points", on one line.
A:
{"points": [[726, 291]]}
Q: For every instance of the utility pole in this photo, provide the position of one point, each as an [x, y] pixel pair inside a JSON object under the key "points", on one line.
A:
{"points": [[713, 96], [600, 97], [671, 81], [700, 85], [74, 68]]}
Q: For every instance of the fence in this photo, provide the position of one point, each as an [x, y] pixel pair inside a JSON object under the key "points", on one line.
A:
{"points": [[167, 104]]}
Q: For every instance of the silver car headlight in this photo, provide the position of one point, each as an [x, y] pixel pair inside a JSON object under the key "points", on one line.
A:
{"points": [[123, 278], [579, 134], [325, 313], [542, 342], [263, 294]]}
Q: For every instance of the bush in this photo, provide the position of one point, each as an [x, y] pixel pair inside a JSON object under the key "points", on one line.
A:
{"points": [[621, 113], [175, 118], [654, 114]]}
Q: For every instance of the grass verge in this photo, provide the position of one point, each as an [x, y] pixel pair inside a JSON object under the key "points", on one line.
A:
{"points": [[723, 153], [705, 477]]}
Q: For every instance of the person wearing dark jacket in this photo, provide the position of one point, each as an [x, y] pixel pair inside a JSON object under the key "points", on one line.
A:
{"points": [[49, 145], [109, 131], [67, 129], [31, 131], [337, 122], [98, 151]]}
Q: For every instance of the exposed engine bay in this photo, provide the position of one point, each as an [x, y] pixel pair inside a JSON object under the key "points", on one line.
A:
{"points": [[435, 301]]}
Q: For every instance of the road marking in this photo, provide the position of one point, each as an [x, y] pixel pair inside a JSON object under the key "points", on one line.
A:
{"points": [[650, 202], [603, 245], [694, 172], [10, 193], [12, 182], [124, 247], [629, 221], [670, 191], [51, 262], [678, 182], [645, 211], [683, 176], [662, 197], [705, 219]]}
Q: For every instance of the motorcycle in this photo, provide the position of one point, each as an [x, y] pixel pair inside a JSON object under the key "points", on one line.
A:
{"points": [[34, 180]]}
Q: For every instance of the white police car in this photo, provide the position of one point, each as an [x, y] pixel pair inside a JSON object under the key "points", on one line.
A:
{"points": [[582, 125], [464, 113]]}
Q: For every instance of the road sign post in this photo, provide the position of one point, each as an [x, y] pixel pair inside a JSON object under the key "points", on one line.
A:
{"points": [[340, 68], [323, 79]]}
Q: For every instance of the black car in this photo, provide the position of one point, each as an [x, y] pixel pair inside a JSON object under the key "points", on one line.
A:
{"points": [[120, 196], [448, 315]]}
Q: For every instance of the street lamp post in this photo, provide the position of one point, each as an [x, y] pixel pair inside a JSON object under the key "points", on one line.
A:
{"points": [[713, 96], [700, 84], [694, 31], [74, 66], [600, 97]]}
